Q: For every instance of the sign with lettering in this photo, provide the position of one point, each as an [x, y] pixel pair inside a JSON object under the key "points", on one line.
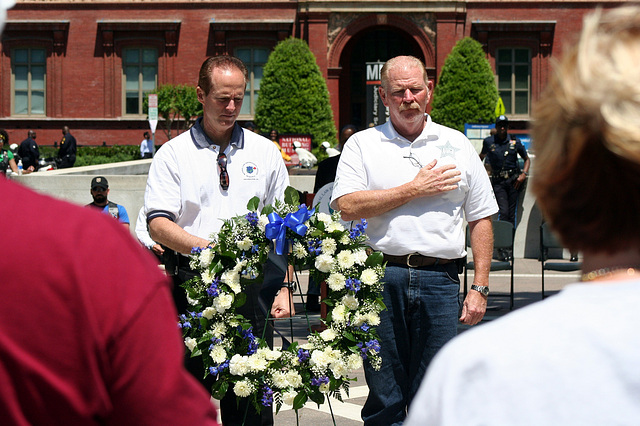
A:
{"points": [[377, 113]]}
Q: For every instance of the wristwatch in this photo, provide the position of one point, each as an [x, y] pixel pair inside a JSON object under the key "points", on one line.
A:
{"points": [[484, 289]]}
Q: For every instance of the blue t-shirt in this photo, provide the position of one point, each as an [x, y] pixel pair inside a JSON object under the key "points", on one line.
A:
{"points": [[110, 209]]}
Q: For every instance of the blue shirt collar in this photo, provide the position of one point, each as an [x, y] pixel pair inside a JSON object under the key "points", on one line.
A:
{"points": [[201, 139]]}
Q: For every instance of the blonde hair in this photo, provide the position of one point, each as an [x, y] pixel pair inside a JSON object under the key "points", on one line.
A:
{"points": [[586, 134], [406, 61]]}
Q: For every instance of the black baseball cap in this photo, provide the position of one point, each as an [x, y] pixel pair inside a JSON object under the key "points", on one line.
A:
{"points": [[502, 119], [99, 182]]}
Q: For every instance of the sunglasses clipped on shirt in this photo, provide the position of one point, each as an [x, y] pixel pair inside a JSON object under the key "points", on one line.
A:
{"points": [[224, 175]]}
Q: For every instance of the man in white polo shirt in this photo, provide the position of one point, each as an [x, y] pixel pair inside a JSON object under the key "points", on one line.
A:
{"points": [[415, 182], [207, 175]]}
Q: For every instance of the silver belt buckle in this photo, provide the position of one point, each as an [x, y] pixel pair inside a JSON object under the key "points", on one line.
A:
{"points": [[409, 260]]}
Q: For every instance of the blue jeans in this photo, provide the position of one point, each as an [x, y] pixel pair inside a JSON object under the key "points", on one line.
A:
{"points": [[421, 316]]}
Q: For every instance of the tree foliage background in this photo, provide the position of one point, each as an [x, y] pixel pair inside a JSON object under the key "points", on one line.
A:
{"points": [[293, 95], [178, 107], [466, 91]]}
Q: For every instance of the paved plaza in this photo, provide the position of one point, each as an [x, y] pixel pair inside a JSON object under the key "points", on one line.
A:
{"points": [[527, 290]]}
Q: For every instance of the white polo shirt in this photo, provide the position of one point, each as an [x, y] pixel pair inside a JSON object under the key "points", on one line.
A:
{"points": [[184, 179], [432, 226]]}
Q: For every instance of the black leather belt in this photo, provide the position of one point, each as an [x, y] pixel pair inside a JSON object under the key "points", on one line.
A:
{"points": [[415, 260]]}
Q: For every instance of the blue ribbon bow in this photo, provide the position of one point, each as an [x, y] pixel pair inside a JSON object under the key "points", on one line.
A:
{"points": [[277, 227]]}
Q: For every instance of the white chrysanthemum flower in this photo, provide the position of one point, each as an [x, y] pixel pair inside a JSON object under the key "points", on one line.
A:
{"points": [[346, 259], [344, 239], [206, 257], [324, 263], [329, 246], [263, 220], [208, 312], [245, 244], [336, 282], [223, 302], [279, 379], [373, 319], [324, 387], [240, 266], [243, 388], [335, 227], [218, 354], [218, 329], [288, 397], [360, 256], [350, 301], [190, 343], [328, 335], [324, 217], [207, 276], [230, 276], [368, 277], [359, 319], [294, 379], [339, 369], [307, 346], [269, 354], [339, 313], [354, 362], [299, 250], [239, 365], [257, 363], [319, 359]]}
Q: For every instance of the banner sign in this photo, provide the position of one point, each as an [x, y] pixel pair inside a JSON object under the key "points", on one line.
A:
{"points": [[377, 113]]}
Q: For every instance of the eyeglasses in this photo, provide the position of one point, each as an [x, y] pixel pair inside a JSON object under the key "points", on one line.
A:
{"points": [[224, 176]]}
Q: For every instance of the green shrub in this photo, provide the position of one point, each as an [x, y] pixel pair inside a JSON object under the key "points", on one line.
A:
{"points": [[466, 91], [294, 97]]}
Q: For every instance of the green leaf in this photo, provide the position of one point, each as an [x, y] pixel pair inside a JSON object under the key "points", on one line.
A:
{"points": [[291, 196], [376, 258], [267, 210], [219, 389], [317, 397], [299, 400], [253, 204]]}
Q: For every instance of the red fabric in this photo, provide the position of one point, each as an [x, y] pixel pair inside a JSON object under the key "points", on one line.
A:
{"points": [[88, 330]]}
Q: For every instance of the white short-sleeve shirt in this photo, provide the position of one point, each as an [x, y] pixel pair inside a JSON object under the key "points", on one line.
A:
{"points": [[184, 179], [377, 158]]}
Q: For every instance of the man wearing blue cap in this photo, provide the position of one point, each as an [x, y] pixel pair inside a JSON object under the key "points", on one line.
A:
{"points": [[501, 150]]}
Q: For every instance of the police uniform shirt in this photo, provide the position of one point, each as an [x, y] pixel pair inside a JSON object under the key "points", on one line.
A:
{"points": [[503, 155], [184, 179]]}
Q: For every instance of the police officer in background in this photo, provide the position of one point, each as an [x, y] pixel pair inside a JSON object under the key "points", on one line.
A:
{"points": [[501, 150]]}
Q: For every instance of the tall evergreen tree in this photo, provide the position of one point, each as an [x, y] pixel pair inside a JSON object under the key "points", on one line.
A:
{"points": [[293, 95], [466, 91]]}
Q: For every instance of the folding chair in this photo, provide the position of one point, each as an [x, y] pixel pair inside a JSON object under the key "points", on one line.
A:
{"points": [[549, 241], [503, 235]]}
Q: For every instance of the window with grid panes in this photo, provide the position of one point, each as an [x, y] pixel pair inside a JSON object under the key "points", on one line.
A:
{"points": [[513, 66], [29, 68], [140, 75], [254, 58]]}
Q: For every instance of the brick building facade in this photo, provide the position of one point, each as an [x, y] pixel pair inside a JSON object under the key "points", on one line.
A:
{"points": [[88, 63]]}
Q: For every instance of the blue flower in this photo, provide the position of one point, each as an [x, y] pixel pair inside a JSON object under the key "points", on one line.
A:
{"points": [[315, 246], [317, 381], [252, 217], [365, 327], [267, 396], [352, 284], [303, 355], [213, 290]]}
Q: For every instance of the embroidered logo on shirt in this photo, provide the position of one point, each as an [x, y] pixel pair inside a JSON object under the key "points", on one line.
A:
{"points": [[250, 170], [448, 150]]}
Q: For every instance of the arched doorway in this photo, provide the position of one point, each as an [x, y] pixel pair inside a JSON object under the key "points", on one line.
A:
{"points": [[378, 43]]}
